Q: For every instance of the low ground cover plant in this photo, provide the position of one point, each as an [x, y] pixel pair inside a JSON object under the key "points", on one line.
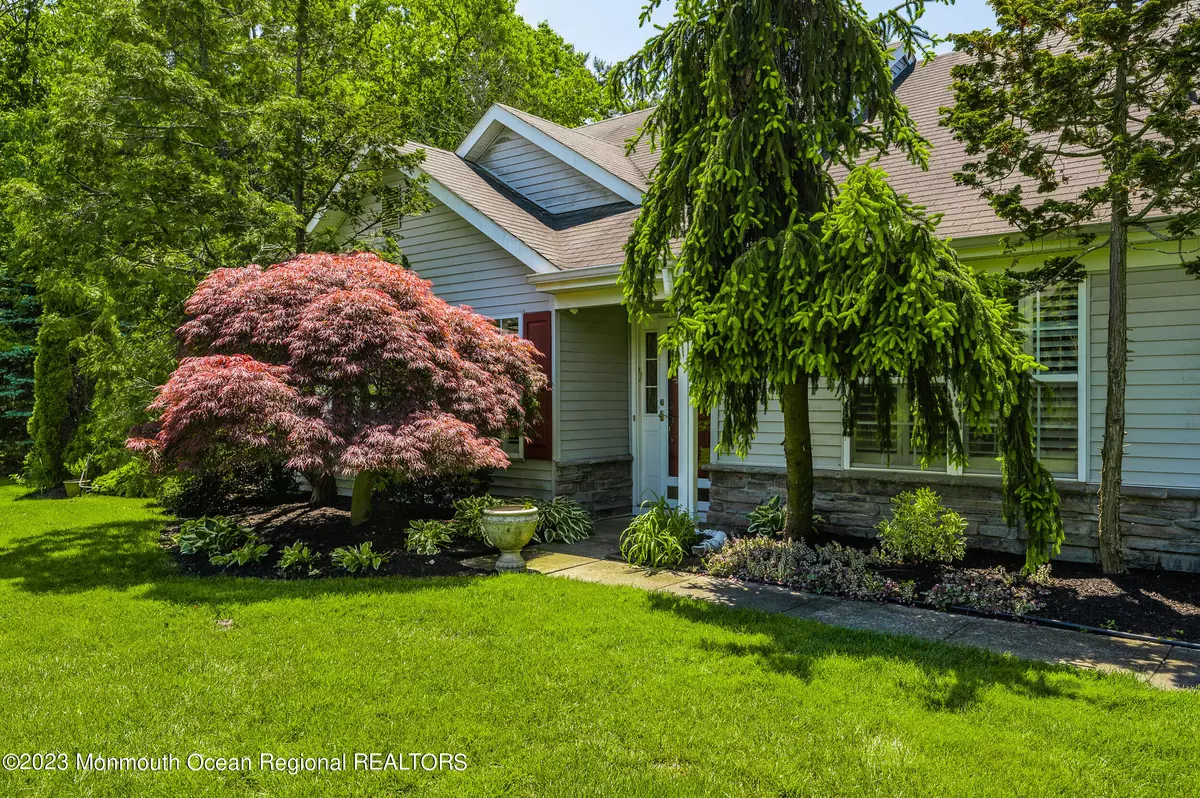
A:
{"points": [[994, 590], [661, 536], [844, 571], [225, 542], [251, 552], [832, 568], [299, 557], [922, 530], [358, 558], [428, 537]]}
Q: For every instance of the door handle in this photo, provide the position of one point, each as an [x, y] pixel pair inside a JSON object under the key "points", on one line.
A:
{"points": [[662, 416]]}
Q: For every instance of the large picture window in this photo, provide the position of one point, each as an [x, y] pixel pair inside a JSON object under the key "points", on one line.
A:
{"points": [[1053, 337]]}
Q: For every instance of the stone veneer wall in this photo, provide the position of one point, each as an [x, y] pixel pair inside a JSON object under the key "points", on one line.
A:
{"points": [[604, 486], [1162, 525]]}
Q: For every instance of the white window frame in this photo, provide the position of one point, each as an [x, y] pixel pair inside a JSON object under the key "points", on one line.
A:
{"points": [[1080, 378], [514, 449]]}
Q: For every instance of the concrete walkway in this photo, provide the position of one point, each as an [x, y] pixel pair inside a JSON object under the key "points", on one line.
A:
{"points": [[598, 560]]}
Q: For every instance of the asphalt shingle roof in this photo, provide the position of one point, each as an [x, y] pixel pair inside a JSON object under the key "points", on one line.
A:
{"points": [[586, 241]]}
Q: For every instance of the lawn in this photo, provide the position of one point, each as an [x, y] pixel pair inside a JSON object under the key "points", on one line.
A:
{"points": [[545, 686]]}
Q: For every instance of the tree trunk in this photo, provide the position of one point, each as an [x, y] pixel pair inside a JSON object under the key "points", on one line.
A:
{"points": [[1112, 556], [797, 451], [360, 504], [324, 489], [298, 139]]}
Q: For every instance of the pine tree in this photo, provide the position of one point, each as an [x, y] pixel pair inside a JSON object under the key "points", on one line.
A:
{"points": [[1088, 88], [779, 280]]}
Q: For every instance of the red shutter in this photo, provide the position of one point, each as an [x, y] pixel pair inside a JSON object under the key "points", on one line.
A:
{"points": [[540, 441]]}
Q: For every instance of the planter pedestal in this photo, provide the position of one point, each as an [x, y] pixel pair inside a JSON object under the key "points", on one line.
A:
{"points": [[509, 528]]}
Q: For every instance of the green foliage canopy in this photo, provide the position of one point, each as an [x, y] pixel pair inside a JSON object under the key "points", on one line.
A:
{"points": [[149, 142], [777, 279]]}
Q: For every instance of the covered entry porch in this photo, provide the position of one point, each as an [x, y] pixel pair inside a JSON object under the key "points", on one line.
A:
{"points": [[614, 396]]}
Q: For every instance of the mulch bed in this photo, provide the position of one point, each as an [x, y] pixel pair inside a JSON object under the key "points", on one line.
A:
{"points": [[325, 529], [1157, 603]]}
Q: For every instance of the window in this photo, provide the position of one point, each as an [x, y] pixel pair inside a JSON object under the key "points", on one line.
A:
{"points": [[866, 449], [390, 201], [513, 446], [1053, 337], [651, 373]]}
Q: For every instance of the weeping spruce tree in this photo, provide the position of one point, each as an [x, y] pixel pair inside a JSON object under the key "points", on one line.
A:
{"points": [[781, 279]]}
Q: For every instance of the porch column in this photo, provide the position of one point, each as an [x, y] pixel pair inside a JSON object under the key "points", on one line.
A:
{"points": [[688, 440]]}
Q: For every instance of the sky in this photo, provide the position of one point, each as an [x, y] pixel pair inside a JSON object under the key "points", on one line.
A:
{"points": [[609, 28]]}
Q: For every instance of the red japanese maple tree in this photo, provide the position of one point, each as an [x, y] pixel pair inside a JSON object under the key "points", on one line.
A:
{"points": [[341, 364]]}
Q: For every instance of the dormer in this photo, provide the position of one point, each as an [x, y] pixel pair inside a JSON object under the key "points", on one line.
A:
{"points": [[558, 169]]}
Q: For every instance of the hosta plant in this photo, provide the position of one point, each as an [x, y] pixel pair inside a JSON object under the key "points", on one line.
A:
{"points": [[468, 515], [250, 552], [660, 536], [427, 537], [299, 557], [358, 558], [562, 520], [212, 536], [768, 519]]}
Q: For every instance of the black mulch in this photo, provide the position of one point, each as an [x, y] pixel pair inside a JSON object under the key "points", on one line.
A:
{"points": [[324, 529], [1157, 603]]}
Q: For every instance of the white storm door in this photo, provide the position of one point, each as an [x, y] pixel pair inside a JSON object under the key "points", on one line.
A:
{"points": [[651, 415]]}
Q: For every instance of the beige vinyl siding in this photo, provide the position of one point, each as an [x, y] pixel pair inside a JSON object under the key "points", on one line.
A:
{"points": [[542, 178], [593, 383], [1162, 410], [825, 418]]}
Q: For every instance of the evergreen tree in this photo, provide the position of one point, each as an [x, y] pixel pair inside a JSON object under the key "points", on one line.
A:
{"points": [[1087, 88], [18, 327], [777, 283]]}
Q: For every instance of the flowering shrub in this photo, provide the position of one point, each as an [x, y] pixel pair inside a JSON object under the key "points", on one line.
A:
{"points": [[824, 569], [993, 590]]}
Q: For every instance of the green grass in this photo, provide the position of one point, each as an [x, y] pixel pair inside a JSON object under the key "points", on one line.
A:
{"points": [[547, 686]]}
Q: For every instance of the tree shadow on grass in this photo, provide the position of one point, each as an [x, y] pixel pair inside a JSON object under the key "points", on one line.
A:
{"points": [[951, 678], [123, 555]]}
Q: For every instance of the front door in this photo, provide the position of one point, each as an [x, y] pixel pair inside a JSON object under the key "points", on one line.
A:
{"points": [[651, 414]]}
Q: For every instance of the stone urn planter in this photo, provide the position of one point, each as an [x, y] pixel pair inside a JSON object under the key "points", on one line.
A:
{"points": [[508, 528]]}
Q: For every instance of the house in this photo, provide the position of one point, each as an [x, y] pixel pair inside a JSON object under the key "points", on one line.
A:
{"points": [[528, 224]]}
